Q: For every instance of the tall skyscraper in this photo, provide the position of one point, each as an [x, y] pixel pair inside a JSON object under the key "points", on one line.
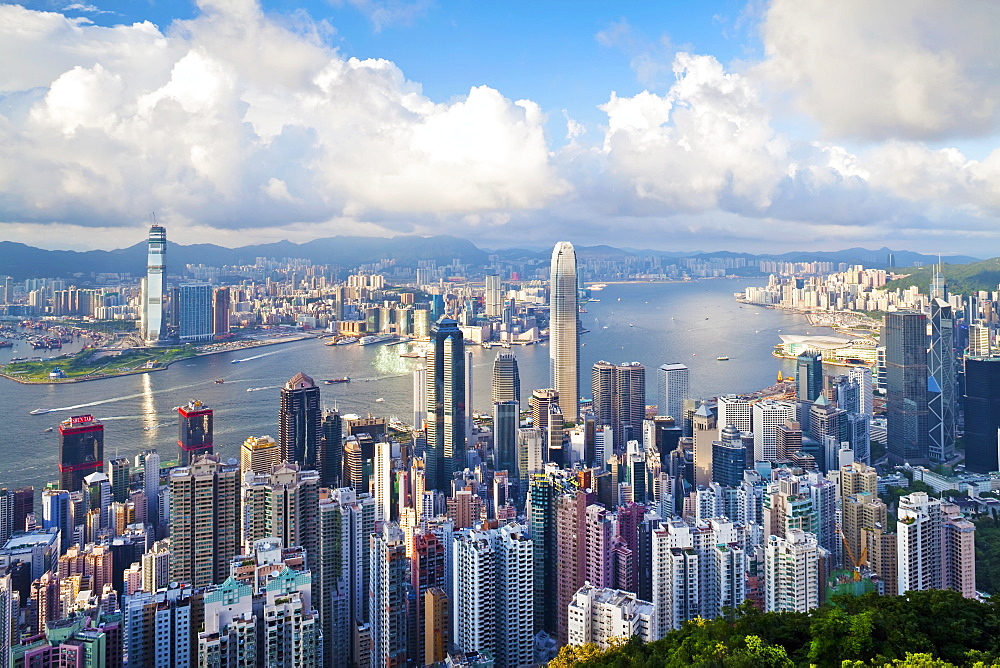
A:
{"points": [[220, 311], [152, 295], [905, 338], [768, 415], [672, 390], [331, 456], [81, 450], [388, 601], [283, 504], [564, 331], [445, 404], [194, 431], [941, 372], [195, 312], [506, 378], [979, 340], [494, 296], [809, 375], [735, 411], [204, 520], [419, 396], [299, 421], [620, 399], [792, 580], [982, 414]]}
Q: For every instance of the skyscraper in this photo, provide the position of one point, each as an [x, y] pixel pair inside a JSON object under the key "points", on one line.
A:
{"points": [[982, 413], [941, 372], [564, 331], [494, 296], [204, 524], [506, 378], [672, 390], [81, 450], [194, 431], [620, 398], [331, 456], [792, 578], [299, 421], [195, 312], [387, 597], [220, 311], [809, 375], [445, 404], [152, 295], [905, 338]]}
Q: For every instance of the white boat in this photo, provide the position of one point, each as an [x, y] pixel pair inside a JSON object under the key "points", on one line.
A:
{"points": [[376, 338], [39, 411], [380, 400], [722, 359]]}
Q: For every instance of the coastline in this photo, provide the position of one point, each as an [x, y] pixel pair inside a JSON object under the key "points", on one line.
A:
{"points": [[164, 367]]}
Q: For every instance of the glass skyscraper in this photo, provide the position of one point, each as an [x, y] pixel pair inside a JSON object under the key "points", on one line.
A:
{"points": [[299, 422], [445, 404], [982, 413], [564, 331], [152, 293], [809, 375], [905, 340]]}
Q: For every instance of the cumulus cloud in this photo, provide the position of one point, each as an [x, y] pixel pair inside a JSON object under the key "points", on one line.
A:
{"points": [[237, 120], [906, 69]]}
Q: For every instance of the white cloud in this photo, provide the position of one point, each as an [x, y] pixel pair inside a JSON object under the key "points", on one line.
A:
{"points": [[917, 69], [235, 120]]}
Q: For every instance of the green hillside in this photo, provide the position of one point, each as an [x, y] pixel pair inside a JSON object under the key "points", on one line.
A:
{"points": [[961, 278], [927, 628]]}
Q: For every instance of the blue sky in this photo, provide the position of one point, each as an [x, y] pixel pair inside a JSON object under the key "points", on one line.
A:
{"points": [[768, 125]]}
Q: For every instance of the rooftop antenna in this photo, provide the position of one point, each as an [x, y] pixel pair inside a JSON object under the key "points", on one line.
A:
{"points": [[152, 217]]}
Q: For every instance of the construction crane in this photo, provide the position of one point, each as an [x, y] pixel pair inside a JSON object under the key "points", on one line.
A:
{"points": [[857, 562]]}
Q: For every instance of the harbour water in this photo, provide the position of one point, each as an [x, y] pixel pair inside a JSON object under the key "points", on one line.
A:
{"points": [[692, 323]]}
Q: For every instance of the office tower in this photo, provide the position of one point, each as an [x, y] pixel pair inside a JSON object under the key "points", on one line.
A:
{"points": [[789, 440], [194, 431], [195, 322], [729, 458], [97, 495], [736, 411], [204, 520], [259, 454], [220, 311], [768, 416], [672, 390], [506, 378], [980, 340], [161, 628], [620, 398], [564, 330], [494, 296], [299, 421], [383, 482], [446, 408], [419, 397], [152, 293], [331, 455], [57, 513], [862, 375], [119, 472], [603, 615], [809, 376], [982, 413], [7, 290], [941, 377], [388, 598], [81, 450], [506, 416], [905, 338], [571, 551], [282, 504], [703, 431], [22, 505], [542, 517], [541, 402], [827, 421], [151, 486], [792, 572]]}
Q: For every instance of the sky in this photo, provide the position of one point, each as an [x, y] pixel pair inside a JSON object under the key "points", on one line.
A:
{"points": [[745, 126]]}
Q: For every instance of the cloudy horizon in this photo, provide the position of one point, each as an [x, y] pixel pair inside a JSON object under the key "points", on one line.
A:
{"points": [[760, 127]]}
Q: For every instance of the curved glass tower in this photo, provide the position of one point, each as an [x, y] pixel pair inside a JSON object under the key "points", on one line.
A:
{"points": [[564, 331]]}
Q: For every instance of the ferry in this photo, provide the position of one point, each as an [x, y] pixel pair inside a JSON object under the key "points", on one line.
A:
{"points": [[332, 381], [375, 338], [723, 358], [47, 430], [380, 400], [39, 411]]}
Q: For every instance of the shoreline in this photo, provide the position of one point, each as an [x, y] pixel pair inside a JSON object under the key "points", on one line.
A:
{"points": [[136, 372]]}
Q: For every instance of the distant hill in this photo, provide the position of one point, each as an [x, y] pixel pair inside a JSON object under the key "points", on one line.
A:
{"points": [[22, 261], [961, 278]]}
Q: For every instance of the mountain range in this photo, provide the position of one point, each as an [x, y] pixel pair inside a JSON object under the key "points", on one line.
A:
{"points": [[22, 261]]}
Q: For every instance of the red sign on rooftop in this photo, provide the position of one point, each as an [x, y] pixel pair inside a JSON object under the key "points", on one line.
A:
{"points": [[81, 419]]}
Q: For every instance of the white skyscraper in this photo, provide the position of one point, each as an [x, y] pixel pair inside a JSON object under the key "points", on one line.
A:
{"points": [[564, 333], [736, 411], [494, 298], [791, 564], [768, 415], [152, 295], [918, 543], [672, 390], [419, 396]]}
